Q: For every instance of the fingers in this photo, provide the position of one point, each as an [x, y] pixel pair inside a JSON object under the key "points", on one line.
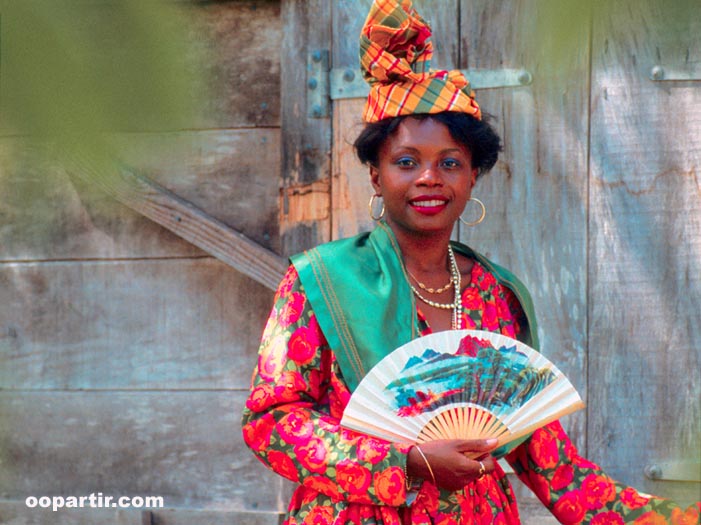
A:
{"points": [[455, 463], [483, 467], [475, 448]]}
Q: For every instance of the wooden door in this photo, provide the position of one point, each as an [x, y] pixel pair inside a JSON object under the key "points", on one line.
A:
{"points": [[644, 259], [594, 204]]}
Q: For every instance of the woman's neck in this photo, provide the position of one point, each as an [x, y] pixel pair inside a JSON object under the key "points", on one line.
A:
{"points": [[423, 253]]}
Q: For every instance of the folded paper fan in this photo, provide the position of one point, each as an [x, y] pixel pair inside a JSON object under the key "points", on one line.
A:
{"points": [[460, 384]]}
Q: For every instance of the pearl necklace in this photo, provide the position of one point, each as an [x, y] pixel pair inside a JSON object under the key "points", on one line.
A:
{"points": [[456, 305]]}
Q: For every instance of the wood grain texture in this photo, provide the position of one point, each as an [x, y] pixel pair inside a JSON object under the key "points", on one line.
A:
{"points": [[197, 227], [174, 324], [16, 513], [241, 42], [350, 187], [44, 215], [536, 196], [645, 258], [231, 59], [120, 343], [232, 175], [184, 219], [306, 142], [184, 446], [47, 215], [208, 517]]}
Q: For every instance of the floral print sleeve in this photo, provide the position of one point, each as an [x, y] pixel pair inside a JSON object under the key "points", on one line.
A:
{"points": [[291, 419], [578, 491]]}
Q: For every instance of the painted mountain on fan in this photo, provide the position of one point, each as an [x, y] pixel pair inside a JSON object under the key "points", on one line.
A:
{"points": [[476, 373]]}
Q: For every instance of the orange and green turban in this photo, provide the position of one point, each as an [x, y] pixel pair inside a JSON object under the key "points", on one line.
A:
{"points": [[395, 56]]}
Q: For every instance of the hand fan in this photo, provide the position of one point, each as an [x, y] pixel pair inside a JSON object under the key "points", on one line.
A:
{"points": [[460, 384]]}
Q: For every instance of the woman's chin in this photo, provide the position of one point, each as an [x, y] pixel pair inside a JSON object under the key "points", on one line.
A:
{"points": [[424, 225]]}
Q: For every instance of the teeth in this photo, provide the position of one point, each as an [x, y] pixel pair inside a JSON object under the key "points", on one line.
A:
{"points": [[428, 204]]}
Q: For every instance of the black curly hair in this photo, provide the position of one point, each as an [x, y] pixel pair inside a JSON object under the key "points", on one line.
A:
{"points": [[478, 136]]}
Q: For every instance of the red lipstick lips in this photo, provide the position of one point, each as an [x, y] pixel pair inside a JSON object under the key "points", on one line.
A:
{"points": [[429, 204]]}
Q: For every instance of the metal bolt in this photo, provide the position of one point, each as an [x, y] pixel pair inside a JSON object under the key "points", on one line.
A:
{"points": [[316, 56], [349, 75], [657, 73], [316, 110], [313, 83], [525, 78], [653, 472]]}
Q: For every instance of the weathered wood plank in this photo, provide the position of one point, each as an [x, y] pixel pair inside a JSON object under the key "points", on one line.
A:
{"points": [[351, 189], [191, 223], [306, 142], [232, 59], [184, 446], [645, 258], [534, 513], [536, 197], [232, 175], [17, 513], [207, 517], [161, 324], [46, 215], [241, 41]]}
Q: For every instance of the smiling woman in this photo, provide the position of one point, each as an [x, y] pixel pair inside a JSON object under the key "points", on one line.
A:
{"points": [[345, 305], [424, 175]]}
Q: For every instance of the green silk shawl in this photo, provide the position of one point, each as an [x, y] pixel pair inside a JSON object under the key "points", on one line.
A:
{"points": [[359, 291]]}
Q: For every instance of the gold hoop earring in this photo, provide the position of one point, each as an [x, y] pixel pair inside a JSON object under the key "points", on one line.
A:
{"points": [[370, 206], [482, 216]]}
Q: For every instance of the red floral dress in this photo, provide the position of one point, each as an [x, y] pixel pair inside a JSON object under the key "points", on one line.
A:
{"points": [[291, 422]]}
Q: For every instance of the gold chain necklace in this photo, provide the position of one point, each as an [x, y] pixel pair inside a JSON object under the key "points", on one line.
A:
{"points": [[432, 290], [456, 305]]}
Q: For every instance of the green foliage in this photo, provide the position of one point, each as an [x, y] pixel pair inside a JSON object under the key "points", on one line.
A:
{"points": [[75, 70]]}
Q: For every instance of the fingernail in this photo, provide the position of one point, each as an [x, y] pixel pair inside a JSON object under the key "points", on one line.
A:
{"points": [[492, 441]]}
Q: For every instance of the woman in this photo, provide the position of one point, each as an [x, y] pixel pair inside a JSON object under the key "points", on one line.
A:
{"points": [[342, 306]]}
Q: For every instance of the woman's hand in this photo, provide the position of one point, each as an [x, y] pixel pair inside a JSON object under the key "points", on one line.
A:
{"points": [[450, 462]]}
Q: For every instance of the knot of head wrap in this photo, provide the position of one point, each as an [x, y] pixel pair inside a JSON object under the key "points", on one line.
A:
{"points": [[395, 56]]}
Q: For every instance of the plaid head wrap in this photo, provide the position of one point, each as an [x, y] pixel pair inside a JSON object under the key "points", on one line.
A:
{"points": [[395, 56]]}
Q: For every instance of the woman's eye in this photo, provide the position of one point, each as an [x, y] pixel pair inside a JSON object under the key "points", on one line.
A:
{"points": [[451, 163], [406, 162]]}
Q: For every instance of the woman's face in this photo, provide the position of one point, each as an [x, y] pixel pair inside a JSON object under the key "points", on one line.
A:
{"points": [[424, 176]]}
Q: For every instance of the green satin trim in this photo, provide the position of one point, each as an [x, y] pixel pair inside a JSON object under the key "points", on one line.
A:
{"points": [[359, 291]]}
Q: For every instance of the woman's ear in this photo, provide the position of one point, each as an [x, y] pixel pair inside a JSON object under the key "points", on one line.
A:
{"points": [[473, 179], [375, 180]]}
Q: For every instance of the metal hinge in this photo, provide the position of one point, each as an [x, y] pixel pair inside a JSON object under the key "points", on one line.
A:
{"points": [[674, 470], [678, 73], [325, 84]]}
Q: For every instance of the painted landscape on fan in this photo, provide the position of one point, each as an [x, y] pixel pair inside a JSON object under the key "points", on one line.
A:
{"points": [[475, 372], [460, 384]]}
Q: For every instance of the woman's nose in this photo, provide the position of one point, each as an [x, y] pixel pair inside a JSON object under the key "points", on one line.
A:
{"points": [[429, 175]]}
